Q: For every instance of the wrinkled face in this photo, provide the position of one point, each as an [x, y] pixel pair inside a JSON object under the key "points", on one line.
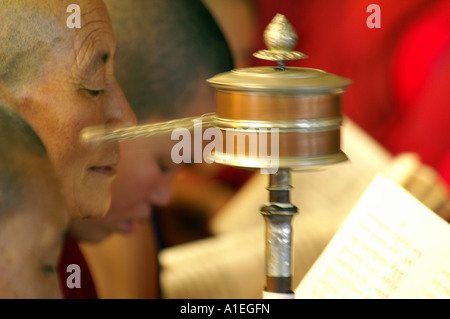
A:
{"points": [[32, 238], [76, 89]]}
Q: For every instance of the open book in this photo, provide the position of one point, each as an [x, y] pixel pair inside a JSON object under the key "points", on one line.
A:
{"points": [[231, 263], [391, 246]]}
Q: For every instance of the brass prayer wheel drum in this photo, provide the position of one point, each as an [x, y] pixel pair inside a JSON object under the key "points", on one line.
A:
{"points": [[302, 104]]}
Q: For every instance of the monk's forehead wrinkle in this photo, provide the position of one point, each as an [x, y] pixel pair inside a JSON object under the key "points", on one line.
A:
{"points": [[82, 48], [94, 34]]}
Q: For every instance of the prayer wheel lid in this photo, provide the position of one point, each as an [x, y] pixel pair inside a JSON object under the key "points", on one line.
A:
{"points": [[289, 80], [280, 38]]}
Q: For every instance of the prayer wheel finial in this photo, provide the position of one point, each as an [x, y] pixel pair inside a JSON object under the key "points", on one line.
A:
{"points": [[280, 38]]}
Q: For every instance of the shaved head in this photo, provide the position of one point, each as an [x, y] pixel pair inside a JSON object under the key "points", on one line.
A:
{"points": [[28, 31]]}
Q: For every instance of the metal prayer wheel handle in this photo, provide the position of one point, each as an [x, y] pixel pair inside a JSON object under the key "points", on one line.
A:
{"points": [[278, 214]]}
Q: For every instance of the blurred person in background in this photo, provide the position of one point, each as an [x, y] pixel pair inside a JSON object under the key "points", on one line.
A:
{"points": [[33, 218]]}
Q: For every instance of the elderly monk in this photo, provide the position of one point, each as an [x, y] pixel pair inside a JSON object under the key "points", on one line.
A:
{"points": [[62, 81], [32, 215]]}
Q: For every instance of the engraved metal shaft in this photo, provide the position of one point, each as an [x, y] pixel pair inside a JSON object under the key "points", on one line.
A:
{"points": [[278, 216]]}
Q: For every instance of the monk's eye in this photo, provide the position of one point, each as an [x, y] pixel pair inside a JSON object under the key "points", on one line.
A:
{"points": [[95, 93]]}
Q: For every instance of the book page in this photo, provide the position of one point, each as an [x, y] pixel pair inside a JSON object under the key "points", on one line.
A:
{"points": [[225, 266], [391, 246]]}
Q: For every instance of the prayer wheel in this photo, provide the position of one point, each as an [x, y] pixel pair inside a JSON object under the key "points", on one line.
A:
{"points": [[294, 114], [302, 105]]}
